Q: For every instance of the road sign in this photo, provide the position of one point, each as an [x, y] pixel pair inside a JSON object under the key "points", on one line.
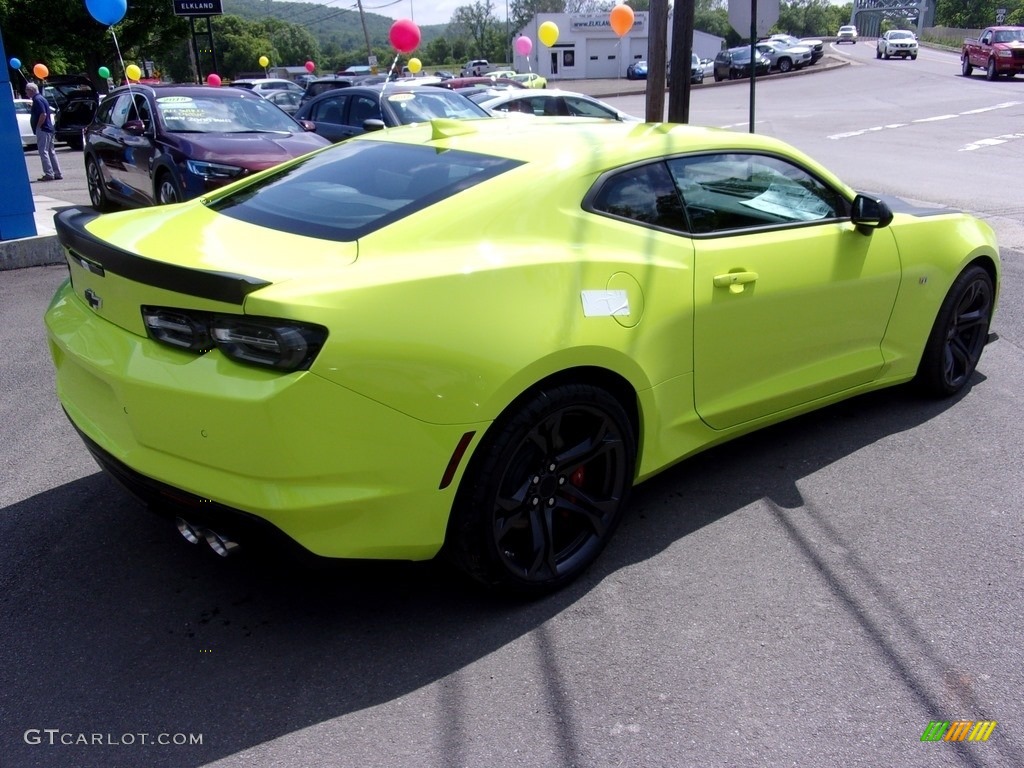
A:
{"points": [[741, 11], [1000, 15]]}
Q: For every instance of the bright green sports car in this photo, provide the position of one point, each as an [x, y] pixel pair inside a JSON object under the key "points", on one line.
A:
{"points": [[475, 337]]}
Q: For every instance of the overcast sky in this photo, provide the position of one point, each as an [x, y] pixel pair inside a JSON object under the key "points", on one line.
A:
{"points": [[423, 11]]}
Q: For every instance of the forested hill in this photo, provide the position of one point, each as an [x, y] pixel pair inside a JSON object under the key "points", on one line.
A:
{"points": [[331, 25]]}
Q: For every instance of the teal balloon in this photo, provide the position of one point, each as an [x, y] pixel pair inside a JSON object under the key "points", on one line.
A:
{"points": [[15, 63], [107, 12], [104, 72]]}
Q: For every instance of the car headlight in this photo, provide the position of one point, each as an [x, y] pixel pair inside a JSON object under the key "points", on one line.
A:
{"points": [[207, 170], [1004, 54], [268, 342]]}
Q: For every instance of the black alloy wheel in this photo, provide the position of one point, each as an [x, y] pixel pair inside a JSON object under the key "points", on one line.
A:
{"points": [[167, 192], [959, 334], [545, 491], [94, 180]]}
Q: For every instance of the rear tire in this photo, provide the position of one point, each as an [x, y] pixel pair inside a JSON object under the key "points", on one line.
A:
{"points": [[965, 67], [958, 336], [878, 54], [544, 491]]}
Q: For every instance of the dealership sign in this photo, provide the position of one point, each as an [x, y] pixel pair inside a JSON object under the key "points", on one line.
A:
{"points": [[197, 8]]}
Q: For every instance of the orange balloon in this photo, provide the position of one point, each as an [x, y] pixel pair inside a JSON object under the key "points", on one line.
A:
{"points": [[41, 71], [621, 19]]}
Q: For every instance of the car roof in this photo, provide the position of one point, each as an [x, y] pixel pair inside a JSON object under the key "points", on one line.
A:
{"points": [[176, 89]]}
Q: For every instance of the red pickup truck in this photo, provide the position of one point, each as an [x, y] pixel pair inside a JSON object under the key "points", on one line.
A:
{"points": [[999, 51]]}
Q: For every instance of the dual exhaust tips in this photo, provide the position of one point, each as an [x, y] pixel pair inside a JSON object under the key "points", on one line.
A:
{"points": [[193, 534]]}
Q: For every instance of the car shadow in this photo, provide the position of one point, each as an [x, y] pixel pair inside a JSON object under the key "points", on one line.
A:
{"points": [[116, 625]]}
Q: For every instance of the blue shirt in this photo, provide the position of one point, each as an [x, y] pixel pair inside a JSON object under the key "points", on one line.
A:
{"points": [[40, 106]]}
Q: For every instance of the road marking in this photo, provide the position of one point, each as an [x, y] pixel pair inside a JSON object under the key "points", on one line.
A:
{"points": [[993, 142], [936, 118]]}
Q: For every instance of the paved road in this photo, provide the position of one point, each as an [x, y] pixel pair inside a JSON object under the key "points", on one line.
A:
{"points": [[812, 595]]}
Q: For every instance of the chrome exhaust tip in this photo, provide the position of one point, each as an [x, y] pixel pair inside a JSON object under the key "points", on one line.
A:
{"points": [[222, 545], [192, 534]]}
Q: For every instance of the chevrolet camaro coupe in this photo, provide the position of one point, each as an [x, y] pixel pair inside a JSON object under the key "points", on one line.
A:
{"points": [[474, 337]]}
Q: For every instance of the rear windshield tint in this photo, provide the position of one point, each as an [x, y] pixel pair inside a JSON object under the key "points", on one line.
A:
{"points": [[355, 188]]}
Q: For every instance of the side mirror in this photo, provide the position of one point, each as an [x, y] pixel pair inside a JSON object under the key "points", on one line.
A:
{"points": [[134, 127], [308, 125], [870, 213], [373, 124]]}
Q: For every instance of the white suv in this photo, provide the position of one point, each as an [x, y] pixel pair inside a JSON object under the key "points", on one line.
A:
{"points": [[846, 34], [896, 42]]}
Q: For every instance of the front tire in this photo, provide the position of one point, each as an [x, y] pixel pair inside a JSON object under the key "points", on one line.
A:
{"points": [[990, 71], [167, 191], [959, 334], [878, 54], [545, 491], [785, 65], [97, 192]]}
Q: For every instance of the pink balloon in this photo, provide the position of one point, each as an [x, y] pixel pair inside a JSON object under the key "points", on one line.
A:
{"points": [[310, 66], [213, 80], [404, 35], [524, 45]]}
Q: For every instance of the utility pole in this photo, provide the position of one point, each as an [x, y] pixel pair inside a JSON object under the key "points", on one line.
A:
{"points": [[656, 60], [362, 18], [682, 55]]}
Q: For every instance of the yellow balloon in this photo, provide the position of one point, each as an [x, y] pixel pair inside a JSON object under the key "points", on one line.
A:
{"points": [[133, 72], [548, 33], [264, 61], [415, 65]]}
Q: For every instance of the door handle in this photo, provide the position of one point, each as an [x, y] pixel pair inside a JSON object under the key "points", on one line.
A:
{"points": [[735, 281]]}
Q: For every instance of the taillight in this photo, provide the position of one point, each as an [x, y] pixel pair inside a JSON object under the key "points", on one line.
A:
{"points": [[268, 342]]}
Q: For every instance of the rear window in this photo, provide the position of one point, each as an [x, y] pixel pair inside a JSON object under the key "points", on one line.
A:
{"points": [[355, 188]]}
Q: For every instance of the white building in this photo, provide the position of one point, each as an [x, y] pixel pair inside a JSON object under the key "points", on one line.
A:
{"points": [[587, 46]]}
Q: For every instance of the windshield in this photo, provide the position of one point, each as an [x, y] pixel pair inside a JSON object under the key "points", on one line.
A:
{"points": [[901, 36], [210, 114], [357, 187], [424, 104], [1008, 35]]}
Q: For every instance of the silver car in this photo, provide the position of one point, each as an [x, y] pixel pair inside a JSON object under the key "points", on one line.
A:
{"points": [[553, 103], [785, 57]]}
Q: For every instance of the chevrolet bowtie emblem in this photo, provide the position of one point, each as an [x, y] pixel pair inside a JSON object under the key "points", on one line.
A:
{"points": [[93, 298]]}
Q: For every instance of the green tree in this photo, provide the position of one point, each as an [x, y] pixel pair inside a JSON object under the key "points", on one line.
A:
{"points": [[294, 44], [475, 22]]}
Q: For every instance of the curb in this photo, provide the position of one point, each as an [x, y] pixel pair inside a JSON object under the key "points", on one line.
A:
{"points": [[30, 252]]}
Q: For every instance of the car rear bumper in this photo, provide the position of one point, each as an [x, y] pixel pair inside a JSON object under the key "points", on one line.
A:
{"points": [[338, 473]]}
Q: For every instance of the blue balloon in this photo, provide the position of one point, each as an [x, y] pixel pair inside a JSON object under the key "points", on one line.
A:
{"points": [[107, 12], [15, 63]]}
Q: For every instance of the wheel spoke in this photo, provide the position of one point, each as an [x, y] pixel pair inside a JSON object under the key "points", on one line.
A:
{"points": [[593, 512], [545, 561]]}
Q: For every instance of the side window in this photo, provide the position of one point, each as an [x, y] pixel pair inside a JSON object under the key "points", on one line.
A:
{"points": [[645, 194], [361, 109], [734, 191], [122, 110], [105, 113], [583, 108], [330, 110]]}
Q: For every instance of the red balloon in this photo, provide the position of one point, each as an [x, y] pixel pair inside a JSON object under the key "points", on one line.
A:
{"points": [[404, 35], [213, 80], [310, 66]]}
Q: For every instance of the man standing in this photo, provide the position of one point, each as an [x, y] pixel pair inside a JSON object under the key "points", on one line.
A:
{"points": [[43, 127]]}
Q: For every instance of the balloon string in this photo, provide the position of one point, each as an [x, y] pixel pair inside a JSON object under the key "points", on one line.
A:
{"points": [[120, 58]]}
